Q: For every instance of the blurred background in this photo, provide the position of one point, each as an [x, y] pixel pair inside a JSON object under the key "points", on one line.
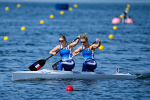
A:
{"points": [[29, 29]]}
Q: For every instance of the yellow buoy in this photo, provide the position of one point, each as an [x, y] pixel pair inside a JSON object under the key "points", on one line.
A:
{"points": [[111, 36], [6, 38], [23, 28], [128, 6], [75, 5], [127, 9], [101, 47], [70, 8], [42, 22], [6, 8], [121, 16], [61, 12], [18, 5], [51, 16], [115, 27]]}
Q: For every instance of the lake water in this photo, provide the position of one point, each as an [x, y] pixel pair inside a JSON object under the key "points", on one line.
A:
{"points": [[129, 49]]}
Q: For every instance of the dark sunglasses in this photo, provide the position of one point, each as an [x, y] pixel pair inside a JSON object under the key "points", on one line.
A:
{"points": [[61, 41], [83, 41]]}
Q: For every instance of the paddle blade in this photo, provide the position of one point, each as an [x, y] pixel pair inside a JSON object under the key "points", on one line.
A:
{"points": [[37, 65], [55, 66]]}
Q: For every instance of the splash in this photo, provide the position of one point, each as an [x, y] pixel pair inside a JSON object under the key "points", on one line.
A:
{"points": [[143, 76]]}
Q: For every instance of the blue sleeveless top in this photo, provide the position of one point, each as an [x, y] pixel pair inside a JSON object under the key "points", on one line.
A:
{"points": [[87, 54], [65, 53]]}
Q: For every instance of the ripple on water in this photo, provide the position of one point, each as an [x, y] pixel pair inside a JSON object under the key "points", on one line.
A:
{"points": [[129, 49]]}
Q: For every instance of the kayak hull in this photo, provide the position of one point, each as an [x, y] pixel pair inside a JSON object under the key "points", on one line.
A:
{"points": [[51, 74]]}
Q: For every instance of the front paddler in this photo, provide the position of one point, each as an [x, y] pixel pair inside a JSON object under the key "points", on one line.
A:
{"points": [[66, 53]]}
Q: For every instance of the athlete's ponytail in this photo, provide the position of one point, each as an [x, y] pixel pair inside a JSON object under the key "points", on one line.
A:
{"points": [[84, 37]]}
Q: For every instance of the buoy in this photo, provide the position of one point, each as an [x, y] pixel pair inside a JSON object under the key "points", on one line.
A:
{"points": [[6, 8], [101, 47], [18, 5], [42, 22], [61, 12], [70, 8], [127, 9], [121, 16], [6, 38], [51, 16], [69, 88], [111, 36], [128, 6], [128, 20], [75, 5], [23, 28], [116, 20], [115, 27]]}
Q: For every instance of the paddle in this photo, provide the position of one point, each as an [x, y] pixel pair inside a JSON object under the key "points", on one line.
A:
{"points": [[40, 63], [55, 66]]}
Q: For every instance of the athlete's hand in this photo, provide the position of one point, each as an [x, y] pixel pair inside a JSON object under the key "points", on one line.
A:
{"points": [[98, 40], [53, 53], [74, 54], [79, 36]]}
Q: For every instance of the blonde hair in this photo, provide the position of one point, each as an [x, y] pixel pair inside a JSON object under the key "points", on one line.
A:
{"points": [[84, 37], [63, 37]]}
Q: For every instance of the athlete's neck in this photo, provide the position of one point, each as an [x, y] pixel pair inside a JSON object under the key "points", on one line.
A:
{"points": [[87, 45], [62, 46]]}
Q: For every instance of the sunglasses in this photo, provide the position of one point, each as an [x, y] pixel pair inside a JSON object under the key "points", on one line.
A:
{"points": [[83, 41], [61, 41]]}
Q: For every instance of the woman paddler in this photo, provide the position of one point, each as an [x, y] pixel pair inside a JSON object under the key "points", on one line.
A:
{"points": [[66, 53], [90, 64]]}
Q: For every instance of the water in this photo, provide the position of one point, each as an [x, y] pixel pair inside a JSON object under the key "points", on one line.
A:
{"points": [[129, 49]]}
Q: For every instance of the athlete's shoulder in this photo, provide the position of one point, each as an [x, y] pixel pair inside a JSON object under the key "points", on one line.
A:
{"points": [[58, 46], [80, 47]]}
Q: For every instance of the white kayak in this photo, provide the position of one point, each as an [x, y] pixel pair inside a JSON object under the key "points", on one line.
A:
{"points": [[53, 74]]}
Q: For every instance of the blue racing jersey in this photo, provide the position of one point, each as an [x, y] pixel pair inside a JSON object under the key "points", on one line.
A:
{"points": [[87, 54], [65, 53]]}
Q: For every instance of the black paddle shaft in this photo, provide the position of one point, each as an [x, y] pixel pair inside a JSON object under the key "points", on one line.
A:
{"points": [[55, 67], [40, 63]]}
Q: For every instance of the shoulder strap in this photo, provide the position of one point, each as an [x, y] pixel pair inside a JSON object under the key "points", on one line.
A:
{"points": [[82, 48], [60, 47]]}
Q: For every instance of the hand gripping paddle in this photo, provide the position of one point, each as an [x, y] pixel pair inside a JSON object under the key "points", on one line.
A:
{"points": [[40, 63]]}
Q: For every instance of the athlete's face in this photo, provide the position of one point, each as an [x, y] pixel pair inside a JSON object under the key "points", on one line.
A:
{"points": [[61, 40], [83, 41]]}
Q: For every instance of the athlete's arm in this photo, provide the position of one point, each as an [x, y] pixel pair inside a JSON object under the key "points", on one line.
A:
{"points": [[53, 51], [76, 42], [95, 46], [76, 51]]}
